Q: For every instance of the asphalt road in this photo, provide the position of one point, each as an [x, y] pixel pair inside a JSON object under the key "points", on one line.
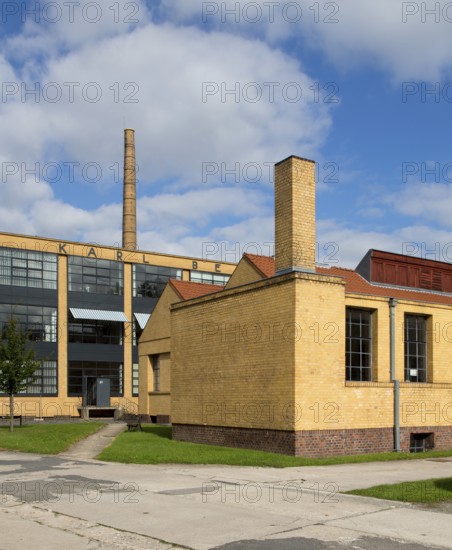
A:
{"points": [[60, 502]]}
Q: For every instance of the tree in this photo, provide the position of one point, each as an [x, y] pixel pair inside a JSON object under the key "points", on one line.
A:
{"points": [[17, 363]]}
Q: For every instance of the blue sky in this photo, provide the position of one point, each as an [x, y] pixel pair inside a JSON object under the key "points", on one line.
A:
{"points": [[217, 92]]}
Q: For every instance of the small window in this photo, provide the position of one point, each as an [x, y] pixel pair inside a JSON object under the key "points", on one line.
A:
{"points": [[419, 443], [415, 348], [156, 371], [358, 345], [209, 278]]}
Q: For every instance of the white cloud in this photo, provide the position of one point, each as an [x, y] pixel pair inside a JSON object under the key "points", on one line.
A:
{"points": [[163, 66], [401, 38], [152, 79], [425, 201], [351, 243]]}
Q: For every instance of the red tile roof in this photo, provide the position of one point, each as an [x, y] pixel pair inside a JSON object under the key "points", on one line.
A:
{"points": [[188, 290], [356, 284], [264, 264]]}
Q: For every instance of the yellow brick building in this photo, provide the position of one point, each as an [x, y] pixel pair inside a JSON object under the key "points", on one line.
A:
{"points": [[307, 360], [84, 307]]}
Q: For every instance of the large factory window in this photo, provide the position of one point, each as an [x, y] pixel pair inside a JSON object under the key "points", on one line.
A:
{"points": [[92, 331], [150, 280], [89, 370], [95, 276], [40, 323], [27, 268], [44, 380]]}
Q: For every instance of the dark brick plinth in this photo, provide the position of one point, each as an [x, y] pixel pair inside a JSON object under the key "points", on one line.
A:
{"points": [[310, 443]]}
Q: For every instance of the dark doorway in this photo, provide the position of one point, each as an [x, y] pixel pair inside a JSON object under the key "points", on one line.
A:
{"points": [[96, 391]]}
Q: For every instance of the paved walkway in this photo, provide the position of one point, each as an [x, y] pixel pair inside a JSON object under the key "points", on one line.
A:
{"points": [[73, 503], [94, 444]]}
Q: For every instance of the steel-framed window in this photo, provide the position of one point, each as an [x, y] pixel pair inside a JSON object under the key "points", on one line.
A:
{"points": [[27, 268], [156, 371], [95, 276], [77, 370], [415, 333], [208, 278], [40, 323], [44, 380], [358, 345], [150, 280], [92, 331]]}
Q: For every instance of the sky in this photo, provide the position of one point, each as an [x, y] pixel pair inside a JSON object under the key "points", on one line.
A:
{"points": [[217, 92]]}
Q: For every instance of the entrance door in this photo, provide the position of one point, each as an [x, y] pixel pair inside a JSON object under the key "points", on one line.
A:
{"points": [[96, 391], [103, 392]]}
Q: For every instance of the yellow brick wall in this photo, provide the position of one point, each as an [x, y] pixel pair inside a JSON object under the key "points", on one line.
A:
{"points": [[144, 383], [243, 274], [156, 340], [231, 364], [320, 348], [295, 214], [160, 402], [158, 325], [329, 404], [227, 373]]}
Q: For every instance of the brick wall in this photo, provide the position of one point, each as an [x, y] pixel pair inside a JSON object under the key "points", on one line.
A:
{"points": [[277, 441], [243, 274], [295, 214], [310, 443], [231, 351]]}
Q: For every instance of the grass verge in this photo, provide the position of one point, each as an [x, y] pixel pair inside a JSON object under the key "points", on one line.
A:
{"points": [[426, 491], [45, 438], [154, 446]]}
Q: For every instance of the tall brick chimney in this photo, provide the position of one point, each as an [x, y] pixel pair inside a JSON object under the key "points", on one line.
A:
{"points": [[295, 215], [129, 207]]}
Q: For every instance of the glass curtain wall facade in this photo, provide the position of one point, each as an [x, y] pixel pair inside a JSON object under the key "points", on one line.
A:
{"points": [[83, 307]]}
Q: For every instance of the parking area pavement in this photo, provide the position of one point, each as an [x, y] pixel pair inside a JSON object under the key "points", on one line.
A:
{"points": [[91, 504]]}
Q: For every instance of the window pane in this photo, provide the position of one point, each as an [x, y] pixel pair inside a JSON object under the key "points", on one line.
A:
{"points": [[150, 280], [39, 322], [358, 345], [80, 373], [415, 348], [25, 268], [95, 276]]}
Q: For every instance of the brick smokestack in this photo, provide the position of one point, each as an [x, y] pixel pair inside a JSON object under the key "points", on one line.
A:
{"points": [[295, 215], [129, 207]]}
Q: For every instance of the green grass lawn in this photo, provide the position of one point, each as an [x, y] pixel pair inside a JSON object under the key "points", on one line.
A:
{"points": [[154, 446], [427, 491], [45, 438]]}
